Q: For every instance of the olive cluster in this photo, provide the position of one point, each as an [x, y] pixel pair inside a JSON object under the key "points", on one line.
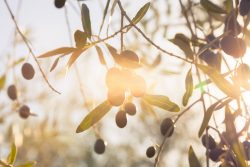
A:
{"points": [[28, 73], [121, 116], [167, 130], [220, 151], [120, 81]]}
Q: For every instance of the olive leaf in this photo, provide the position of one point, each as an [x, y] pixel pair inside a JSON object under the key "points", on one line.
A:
{"points": [[27, 164], [104, 15], [80, 38], [12, 155], [189, 88], [211, 7], [184, 44], [100, 55], [75, 55], [220, 81], [192, 158], [62, 50], [141, 13], [113, 52], [54, 64], [86, 23], [161, 102], [94, 116], [2, 81], [216, 106]]}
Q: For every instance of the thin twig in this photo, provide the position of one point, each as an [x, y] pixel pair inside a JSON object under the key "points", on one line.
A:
{"points": [[28, 46]]}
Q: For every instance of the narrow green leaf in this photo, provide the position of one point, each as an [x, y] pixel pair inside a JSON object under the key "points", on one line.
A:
{"points": [[94, 116], [100, 55], [141, 13], [156, 62], [192, 158], [54, 64], [112, 51], [86, 23], [211, 7], [145, 107], [12, 155], [162, 102], [2, 81], [220, 81], [104, 15], [74, 56], [62, 50], [27, 164], [189, 88], [183, 43], [216, 106]]}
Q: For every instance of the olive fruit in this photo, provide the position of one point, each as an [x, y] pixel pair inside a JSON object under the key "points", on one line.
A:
{"points": [[59, 3], [167, 127], [233, 46], [244, 7], [137, 86], [115, 79], [28, 71], [80, 38], [210, 38], [215, 154], [130, 108], [116, 97], [212, 59], [128, 59], [150, 151], [99, 146], [208, 140], [12, 92], [24, 111], [121, 119]]}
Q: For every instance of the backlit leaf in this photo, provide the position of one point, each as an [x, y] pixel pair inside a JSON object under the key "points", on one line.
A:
{"points": [[192, 158], [94, 116], [80, 38], [86, 23], [220, 81], [54, 64], [62, 50], [141, 13], [74, 56], [189, 88], [2, 81], [211, 7], [27, 164], [12, 155], [100, 55], [162, 102]]}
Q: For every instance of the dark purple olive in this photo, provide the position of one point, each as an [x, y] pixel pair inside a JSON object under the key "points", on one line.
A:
{"points": [[121, 119], [215, 154], [28, 71], [130, 108], [12, 92], [59, 3], [150, 151], [99, 146], [167, 127], [24, 111], [244, 7], [208, 141]]}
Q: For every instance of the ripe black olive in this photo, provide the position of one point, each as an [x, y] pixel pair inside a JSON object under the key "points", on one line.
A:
{"points": [[244, 7], [24, 111], [215, 154], [207, 139], [28, 71], [130, 108], [150, 151], [167, 127], [99, 146], [12, 92], [121, 119], [59, 3]]}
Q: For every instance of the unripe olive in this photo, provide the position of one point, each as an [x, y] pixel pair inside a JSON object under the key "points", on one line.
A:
{"points": [[167, 127], [121, 119], [215, 154], [207, 139], [59, 3], [116, 97], [24, 111], [28, 71], [137, 86], [233, 46], [114, 78], [130, 108], [150, 151], [128, 59], [99, 146], [244, 7], [12, 92]]}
